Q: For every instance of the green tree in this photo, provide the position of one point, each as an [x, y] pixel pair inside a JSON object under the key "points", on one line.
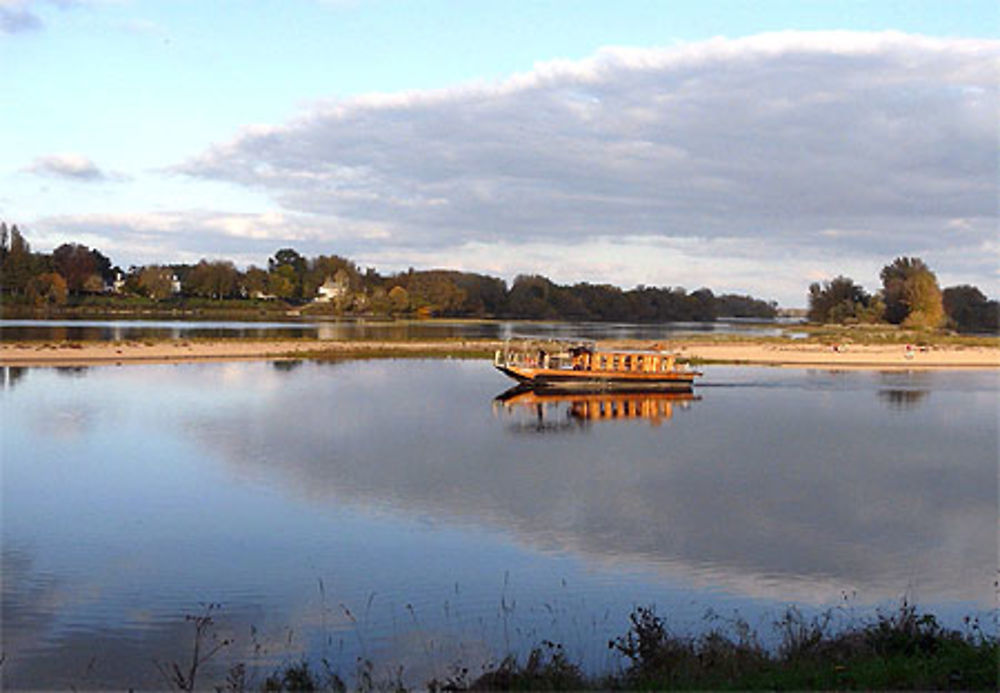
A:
{"points": [[909, 286], [529, 298], [75, 263], [254, 282], [156, 282], [293, 268], [737, 306], [104, 267], [282, 282], [838, 300], [18, 265], [704, 305], [969, 310], [323, 267], [923, 298], [434, 291], [216, 280]]}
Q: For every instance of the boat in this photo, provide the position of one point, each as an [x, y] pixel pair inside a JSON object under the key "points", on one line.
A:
{"points": [[579, 364]]}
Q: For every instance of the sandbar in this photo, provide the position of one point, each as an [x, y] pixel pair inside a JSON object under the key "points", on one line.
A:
{"points": [[789, 353]]}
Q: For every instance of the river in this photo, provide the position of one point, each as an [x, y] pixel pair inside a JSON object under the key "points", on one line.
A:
{"points": [[366, 329], [395, 511]]}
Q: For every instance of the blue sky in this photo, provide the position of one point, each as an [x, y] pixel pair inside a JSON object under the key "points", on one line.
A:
{"points": [[171, 131]]}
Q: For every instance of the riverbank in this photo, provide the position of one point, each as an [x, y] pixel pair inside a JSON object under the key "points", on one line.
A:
{"points": [[901, 650], [759, 352]]}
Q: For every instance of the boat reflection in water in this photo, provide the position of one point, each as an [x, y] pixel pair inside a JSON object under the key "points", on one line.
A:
{"points": [[553, 410]]}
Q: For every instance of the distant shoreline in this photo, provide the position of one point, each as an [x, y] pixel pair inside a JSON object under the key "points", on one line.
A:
{"points": [[742, 351]]}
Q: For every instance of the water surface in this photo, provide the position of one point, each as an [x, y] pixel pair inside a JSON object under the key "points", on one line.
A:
{"points": [[393, 510], [117, 330]]}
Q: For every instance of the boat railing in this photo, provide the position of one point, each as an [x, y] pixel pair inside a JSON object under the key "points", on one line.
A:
{"points": [[532, 358]]}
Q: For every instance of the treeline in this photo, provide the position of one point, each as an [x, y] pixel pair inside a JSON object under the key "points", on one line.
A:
{"points": [[910, 296], [72, 273]]}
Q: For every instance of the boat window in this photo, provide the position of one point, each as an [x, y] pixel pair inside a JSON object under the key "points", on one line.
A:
{"points": [[628, 363]]}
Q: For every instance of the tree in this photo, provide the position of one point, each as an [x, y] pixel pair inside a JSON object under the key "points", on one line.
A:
{"points": [[484, 296], [93, 284], [104, 267], [323, 267], [969, 310], [48, 289], [293, 269], [75, 262], [156, 282], [435, 292], [281, 282], [212, 279], [923, 298], [736, 306], [399, 299], [837, 300], [529, 298], [254, 282], [703, 301], [18, 265], [909, 286]]}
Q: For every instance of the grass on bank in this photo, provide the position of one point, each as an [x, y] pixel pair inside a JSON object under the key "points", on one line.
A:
{"points": [[899, 650]]}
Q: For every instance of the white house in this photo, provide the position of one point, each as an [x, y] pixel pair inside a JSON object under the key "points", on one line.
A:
{"points": [[333, 288]]}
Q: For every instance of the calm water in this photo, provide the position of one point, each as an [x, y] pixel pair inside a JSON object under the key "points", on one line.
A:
{"points": [[393, 510], [49, 330]]}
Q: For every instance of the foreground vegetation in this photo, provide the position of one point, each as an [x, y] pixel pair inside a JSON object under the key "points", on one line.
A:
{"points": [[899, 650]]}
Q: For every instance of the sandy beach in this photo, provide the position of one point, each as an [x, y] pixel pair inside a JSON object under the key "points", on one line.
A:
{"points": [[791, 354]]}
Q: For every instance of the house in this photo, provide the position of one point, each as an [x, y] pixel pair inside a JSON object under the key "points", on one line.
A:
{"points": [[334, 288], [116, 285]]}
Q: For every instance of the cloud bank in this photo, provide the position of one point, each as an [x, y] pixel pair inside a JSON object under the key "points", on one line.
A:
{"points": [[756, 164]]}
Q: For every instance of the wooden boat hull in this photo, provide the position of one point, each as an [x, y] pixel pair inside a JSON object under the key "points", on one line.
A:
{"points": [[599, 380]]}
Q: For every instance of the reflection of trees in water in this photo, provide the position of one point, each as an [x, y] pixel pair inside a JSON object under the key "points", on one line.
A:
{"points": [[11, 376], [291, 365], [72, 371], [900, 399]]}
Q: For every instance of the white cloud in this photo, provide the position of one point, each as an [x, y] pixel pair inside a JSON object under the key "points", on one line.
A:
{"points": [[70, 166], [189, 235], [823, 143], [752, 165]]}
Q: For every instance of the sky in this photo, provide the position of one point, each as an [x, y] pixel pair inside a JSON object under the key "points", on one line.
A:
{"points": [[750, 147]]}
